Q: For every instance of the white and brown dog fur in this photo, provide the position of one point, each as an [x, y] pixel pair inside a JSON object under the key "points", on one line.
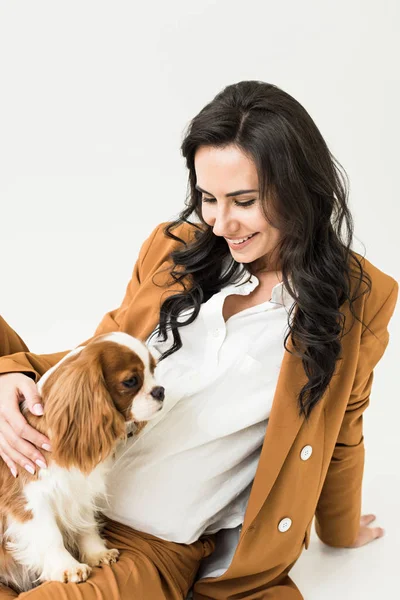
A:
{"points": [[49, 527]]}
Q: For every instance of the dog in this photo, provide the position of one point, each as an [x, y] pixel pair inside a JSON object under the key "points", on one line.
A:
{"points": [[49, 526]]}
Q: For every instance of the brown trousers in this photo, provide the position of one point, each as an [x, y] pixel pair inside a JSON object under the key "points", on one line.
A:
{"points": [[148, 569]]}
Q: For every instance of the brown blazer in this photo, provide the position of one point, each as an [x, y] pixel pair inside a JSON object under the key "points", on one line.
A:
{"points": [[327, 485]]}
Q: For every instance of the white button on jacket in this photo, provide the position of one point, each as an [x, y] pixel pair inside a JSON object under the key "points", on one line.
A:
{"points": [[306, 453], [285, 524]]}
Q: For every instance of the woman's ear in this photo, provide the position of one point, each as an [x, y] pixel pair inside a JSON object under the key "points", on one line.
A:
{"points": [[83, 422]]}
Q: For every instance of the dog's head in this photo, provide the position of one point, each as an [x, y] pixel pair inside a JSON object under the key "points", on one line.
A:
{"points": [[92, 393]]}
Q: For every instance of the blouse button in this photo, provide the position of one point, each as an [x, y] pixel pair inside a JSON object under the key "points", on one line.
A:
{"points": [[306, 453], [285, 524]]}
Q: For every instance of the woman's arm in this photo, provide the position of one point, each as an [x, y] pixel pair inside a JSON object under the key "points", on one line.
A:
{"points": [[338, 513], [19, 442]]}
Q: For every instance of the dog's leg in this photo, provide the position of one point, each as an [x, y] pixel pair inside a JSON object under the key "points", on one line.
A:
{"points": [[38, 544], [93, 548]]}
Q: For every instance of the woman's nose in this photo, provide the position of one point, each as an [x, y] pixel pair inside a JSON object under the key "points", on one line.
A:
{"points": [[222, 224]]}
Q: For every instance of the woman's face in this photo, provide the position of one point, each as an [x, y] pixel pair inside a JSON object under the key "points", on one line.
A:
{"points": [[231, 204]]}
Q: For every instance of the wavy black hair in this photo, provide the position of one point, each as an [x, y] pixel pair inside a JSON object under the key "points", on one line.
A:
{"points": [[307, 192]]}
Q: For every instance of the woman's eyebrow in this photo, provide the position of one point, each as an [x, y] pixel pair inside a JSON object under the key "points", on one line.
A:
{"points": [[238, 193]]}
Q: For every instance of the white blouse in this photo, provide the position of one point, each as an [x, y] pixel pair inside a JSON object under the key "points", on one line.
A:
{"points": [[190, 470]]}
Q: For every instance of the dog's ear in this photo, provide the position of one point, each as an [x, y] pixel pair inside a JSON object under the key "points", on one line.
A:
{"points": [[83, 422]]}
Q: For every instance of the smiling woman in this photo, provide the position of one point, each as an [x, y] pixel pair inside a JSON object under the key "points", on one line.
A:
{"points": [[267, 327], [242, 223]]}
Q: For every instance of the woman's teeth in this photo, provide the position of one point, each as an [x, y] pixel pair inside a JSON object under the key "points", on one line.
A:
{"points": [[242, 240]]}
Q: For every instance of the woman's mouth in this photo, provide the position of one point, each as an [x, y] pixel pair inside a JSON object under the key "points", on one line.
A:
{"points": [[239, 246]]}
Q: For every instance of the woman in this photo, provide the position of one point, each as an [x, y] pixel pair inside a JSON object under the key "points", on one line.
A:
{"points": [[267, 328]]}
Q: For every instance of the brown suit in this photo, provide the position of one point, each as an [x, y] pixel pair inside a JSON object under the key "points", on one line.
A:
{"points": [[328, 485]]}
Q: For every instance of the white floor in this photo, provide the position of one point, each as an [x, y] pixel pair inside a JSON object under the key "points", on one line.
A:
{"points": [[324, 573]]}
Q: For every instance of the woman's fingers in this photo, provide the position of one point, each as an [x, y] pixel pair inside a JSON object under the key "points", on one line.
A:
{"points": [[19, 451], [17, 447], [19, 442], [370, 534], [367, 519], [367, 534], [9, 464], [376, 532], [28, 390], [23, 430]]}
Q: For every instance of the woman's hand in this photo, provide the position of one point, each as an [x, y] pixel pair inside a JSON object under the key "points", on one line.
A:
{"points": [[18, 440], [367, 534]]}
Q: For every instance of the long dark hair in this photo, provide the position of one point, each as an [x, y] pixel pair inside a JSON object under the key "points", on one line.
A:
{"points": [[307, 192]]}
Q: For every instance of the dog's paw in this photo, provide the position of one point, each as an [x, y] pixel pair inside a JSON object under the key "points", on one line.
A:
{"points": [[75, 573], [107, 557]]}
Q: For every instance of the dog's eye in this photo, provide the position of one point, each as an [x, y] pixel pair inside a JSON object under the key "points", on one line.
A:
{"points": [[130, 383]]}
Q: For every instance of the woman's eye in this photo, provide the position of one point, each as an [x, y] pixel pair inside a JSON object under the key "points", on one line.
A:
{"points": [[130, 383], [212, 200]]}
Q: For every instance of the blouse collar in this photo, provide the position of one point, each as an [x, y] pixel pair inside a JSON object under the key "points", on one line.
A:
{"points": [[248, 282]]}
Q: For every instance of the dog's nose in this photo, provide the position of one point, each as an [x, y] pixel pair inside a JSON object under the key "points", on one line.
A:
{"points": [[158, 393]]}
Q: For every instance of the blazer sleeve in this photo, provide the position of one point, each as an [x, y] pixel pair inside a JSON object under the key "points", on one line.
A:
{"points": [[10, 341], [337, 517], [19, 360]]}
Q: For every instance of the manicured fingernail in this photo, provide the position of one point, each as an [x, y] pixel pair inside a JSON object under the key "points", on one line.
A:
{"points": [[14, 472], [41, 464], [37, 409], [46, 447], [30, 469]]}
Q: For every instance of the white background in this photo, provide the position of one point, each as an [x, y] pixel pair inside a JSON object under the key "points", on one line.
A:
{"points": [[94, 100]]}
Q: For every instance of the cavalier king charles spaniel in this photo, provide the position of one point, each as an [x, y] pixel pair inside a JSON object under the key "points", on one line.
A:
{"points": [[49, 528]]}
